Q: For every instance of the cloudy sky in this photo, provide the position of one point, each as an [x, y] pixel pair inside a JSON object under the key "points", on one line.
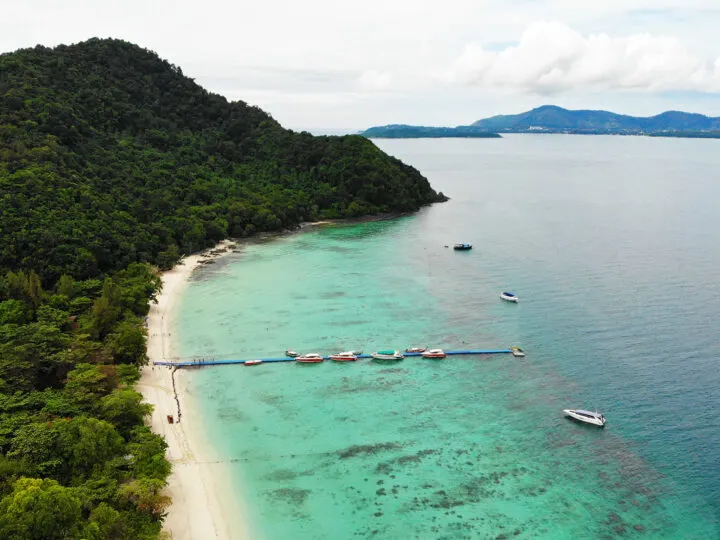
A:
{"points": [[329, 64]]}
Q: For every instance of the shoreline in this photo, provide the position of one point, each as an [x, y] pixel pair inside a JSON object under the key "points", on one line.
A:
{"points": [[199, 485]]}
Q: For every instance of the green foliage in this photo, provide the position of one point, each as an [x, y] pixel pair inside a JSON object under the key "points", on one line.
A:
{"points": [[145, 494], [104, 523], [65, 286], [86, 384], [15, 312], [148, 451], [112, 157], [107, 309], [124, 409], [127, 344], [69, 415], [39, 509], [68, 450]]}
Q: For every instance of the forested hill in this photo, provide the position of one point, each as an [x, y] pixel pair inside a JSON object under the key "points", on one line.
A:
{"points": [[552, 119], [110, 155]]}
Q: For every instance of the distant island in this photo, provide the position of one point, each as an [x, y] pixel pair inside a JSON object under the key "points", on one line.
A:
{"points": [[402, 131], [552, 119]]}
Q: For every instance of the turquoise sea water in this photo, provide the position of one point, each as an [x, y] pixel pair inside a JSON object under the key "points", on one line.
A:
{"points": [[612, 244]]}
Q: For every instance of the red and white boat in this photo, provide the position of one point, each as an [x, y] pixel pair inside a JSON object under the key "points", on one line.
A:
{"points": [[347, 356], [253, 362], [434, 353], [416, 349], [309, 358]]}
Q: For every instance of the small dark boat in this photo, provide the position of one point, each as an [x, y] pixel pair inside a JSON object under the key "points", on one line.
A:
{"points": [[462, 247], [415, 349], [291, 353]]}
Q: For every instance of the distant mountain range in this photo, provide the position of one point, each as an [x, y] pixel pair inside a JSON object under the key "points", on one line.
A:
{"points": [[552, 119]]}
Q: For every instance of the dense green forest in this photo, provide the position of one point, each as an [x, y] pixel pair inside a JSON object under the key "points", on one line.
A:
{"points": [[76, 460], [109, 155], [112, 163]]}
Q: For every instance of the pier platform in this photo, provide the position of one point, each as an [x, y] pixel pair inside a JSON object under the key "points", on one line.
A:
{"points": [[221, 362]]}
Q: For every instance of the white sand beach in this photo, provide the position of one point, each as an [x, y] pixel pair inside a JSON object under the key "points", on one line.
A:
{"points": [[199, 484]]}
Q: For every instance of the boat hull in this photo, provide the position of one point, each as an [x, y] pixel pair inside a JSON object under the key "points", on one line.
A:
{"points": [[311, 360], [584, 419], [343, 358], [253, 362], [434, 356], [386, 358], [513, 299]]}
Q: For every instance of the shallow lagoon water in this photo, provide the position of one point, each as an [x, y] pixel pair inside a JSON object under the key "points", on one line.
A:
{"points": [[608, 241]]}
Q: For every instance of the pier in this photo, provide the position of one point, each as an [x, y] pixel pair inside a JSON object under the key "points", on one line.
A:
{"points": [[219, 362]]}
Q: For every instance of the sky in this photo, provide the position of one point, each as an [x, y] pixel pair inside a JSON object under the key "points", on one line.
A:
{"points": [[335, 65]]}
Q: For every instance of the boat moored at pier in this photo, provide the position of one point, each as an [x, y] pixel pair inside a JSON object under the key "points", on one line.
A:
{"points": [[291, 353], [309, 358], [387, 355], [347, 356], [517, 352], [415, 349], [434, 353]]}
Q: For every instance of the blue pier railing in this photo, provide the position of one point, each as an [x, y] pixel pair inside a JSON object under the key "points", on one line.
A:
{"points": [[221, 362]]}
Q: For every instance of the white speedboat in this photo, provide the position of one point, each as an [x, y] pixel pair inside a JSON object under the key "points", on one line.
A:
{"points": [[347, 356], [387, 355], [510, 297], [253, 362], [309, 358], [434, 353], [291, 353], [517, 352], [589, 417]]}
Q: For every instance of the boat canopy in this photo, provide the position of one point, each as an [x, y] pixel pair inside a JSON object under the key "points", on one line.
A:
{"points": [[386, 352]]}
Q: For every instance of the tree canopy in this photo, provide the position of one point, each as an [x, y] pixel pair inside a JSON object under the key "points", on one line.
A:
{"points": [[76, 460], [109, 155]]}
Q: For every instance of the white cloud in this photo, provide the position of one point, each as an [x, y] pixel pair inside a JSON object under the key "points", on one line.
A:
{"points": [[323, 62], [552, 57], [374, 80]]}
